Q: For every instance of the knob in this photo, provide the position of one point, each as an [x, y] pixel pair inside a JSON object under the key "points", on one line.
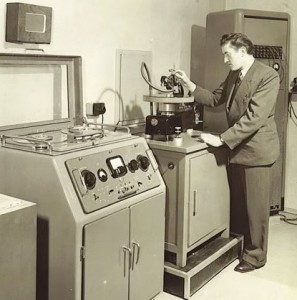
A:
{"points": [[102, 175], [89, 179], [133, 165], [143, 162]]}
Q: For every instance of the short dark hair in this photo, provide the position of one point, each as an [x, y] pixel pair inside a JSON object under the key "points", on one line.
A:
{"points": [[238, 40]]}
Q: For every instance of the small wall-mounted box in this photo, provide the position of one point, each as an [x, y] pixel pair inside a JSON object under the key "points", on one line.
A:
{"points": [[95, 109], [28, 23]]}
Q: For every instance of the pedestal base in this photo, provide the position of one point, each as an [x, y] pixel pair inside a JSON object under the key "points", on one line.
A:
{"points": [[201, 266]]}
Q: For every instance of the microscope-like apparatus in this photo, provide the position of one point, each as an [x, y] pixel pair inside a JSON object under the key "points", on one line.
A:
{"points": [[174, 112]]}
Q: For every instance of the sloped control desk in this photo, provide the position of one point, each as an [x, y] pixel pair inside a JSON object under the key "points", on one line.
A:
{"points": [[197, 210]]}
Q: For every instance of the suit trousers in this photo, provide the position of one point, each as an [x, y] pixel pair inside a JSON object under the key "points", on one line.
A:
{"points": [[250, 189]]}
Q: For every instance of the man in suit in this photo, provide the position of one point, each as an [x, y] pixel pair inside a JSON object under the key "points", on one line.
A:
{"points": [[250, 94]]}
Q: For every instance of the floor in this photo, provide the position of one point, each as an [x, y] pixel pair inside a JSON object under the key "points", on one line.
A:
{"points": [[276, 281]]}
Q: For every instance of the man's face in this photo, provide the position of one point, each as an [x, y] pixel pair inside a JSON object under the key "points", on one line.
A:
{"points": [[233, 57]]}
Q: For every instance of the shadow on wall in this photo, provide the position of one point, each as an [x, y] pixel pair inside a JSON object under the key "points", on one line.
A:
{"points": [[198, 35]]}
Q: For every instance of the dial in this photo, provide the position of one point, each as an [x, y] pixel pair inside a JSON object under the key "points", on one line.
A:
{"points": [[89, 179], [133, 165], [102, 175], [143, 162]]}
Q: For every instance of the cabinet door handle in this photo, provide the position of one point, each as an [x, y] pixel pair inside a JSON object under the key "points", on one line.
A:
{"points": [[195, 203], [125, 250], [134, 246]]}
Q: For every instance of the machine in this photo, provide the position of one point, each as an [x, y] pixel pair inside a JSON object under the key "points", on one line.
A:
{"points": [[99, 193], [197, 238], [174, 112], [18, 260]]}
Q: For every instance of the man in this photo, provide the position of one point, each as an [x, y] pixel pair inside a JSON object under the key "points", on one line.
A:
{"points": [[249, 93]]}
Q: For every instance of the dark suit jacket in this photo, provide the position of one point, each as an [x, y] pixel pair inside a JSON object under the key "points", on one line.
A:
{"points": [[252, 134]]}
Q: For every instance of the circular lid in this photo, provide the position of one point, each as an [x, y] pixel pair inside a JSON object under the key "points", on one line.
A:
{"points": [[167, 98]]}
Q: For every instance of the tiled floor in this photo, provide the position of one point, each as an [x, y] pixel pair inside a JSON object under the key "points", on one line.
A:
{"points": [[276, 281]]}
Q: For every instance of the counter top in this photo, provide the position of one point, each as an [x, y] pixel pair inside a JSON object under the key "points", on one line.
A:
{"points": [[187, 143]]}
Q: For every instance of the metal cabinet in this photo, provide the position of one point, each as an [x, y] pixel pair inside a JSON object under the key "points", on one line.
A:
{"points": [[197, 198], [124, 253], [18, 229], [208, 196]]}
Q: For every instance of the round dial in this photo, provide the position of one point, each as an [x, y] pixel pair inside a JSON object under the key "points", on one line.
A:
{"points": [[89, 179], [143, 162], [102, 175], [133, 165]]}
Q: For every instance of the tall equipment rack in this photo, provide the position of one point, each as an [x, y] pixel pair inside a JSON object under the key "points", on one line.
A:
{"points": [[270, 33]]}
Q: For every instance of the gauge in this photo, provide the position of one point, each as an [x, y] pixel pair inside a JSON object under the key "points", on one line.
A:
{"points": [[116, 166]]}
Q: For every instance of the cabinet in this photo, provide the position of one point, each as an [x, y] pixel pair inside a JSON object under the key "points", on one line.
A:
{"points": [[18, 228], [208, 196], [197, 197], [124, 253]]}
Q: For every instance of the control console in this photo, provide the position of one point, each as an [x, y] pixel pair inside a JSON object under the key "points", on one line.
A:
{"points": [[103, 178]]}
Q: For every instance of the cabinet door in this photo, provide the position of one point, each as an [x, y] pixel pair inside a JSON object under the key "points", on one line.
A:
{"points": [[147, 241], [106, 272], [209, 195]]}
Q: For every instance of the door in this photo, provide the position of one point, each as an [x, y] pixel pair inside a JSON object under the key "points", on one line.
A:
{"points": [[106, 263], [147, 243], [209, 195]]}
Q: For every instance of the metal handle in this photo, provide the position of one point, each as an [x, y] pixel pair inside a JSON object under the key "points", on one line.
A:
{"points": [[195, 203], [125, 250], [115, 127], [135, 245], [33, 141]]}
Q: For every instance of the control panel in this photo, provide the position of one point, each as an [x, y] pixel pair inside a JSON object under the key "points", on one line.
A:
{"points": [[109, 176], [268, 52]]}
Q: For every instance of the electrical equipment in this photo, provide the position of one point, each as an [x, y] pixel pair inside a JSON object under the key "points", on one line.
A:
{"points": [[181, 154], [269, 31], [99, 194], [196, 211], [18, 220], [174, 111], [95, 109], [28, 23]]}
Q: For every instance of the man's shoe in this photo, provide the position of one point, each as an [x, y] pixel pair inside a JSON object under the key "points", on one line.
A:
{"points": [[244, 267]]}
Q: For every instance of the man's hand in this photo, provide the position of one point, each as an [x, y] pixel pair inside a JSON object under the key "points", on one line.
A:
{"points": [[185, 81], [182, 76], [210, 139]]}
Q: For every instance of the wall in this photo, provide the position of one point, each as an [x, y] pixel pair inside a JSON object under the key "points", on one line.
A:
{"points": [[95, 29]]}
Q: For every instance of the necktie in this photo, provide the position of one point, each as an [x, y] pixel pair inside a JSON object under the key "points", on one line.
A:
{"points": [[239, 79], [240, 76], [237, 83]]}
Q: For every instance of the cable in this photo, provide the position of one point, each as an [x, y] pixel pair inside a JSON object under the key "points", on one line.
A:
{"points": [[148, 79], [288, 220], [291, 109]]}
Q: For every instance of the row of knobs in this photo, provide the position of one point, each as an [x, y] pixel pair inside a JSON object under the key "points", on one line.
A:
{"points": [[142, 162], [89, 177]]}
